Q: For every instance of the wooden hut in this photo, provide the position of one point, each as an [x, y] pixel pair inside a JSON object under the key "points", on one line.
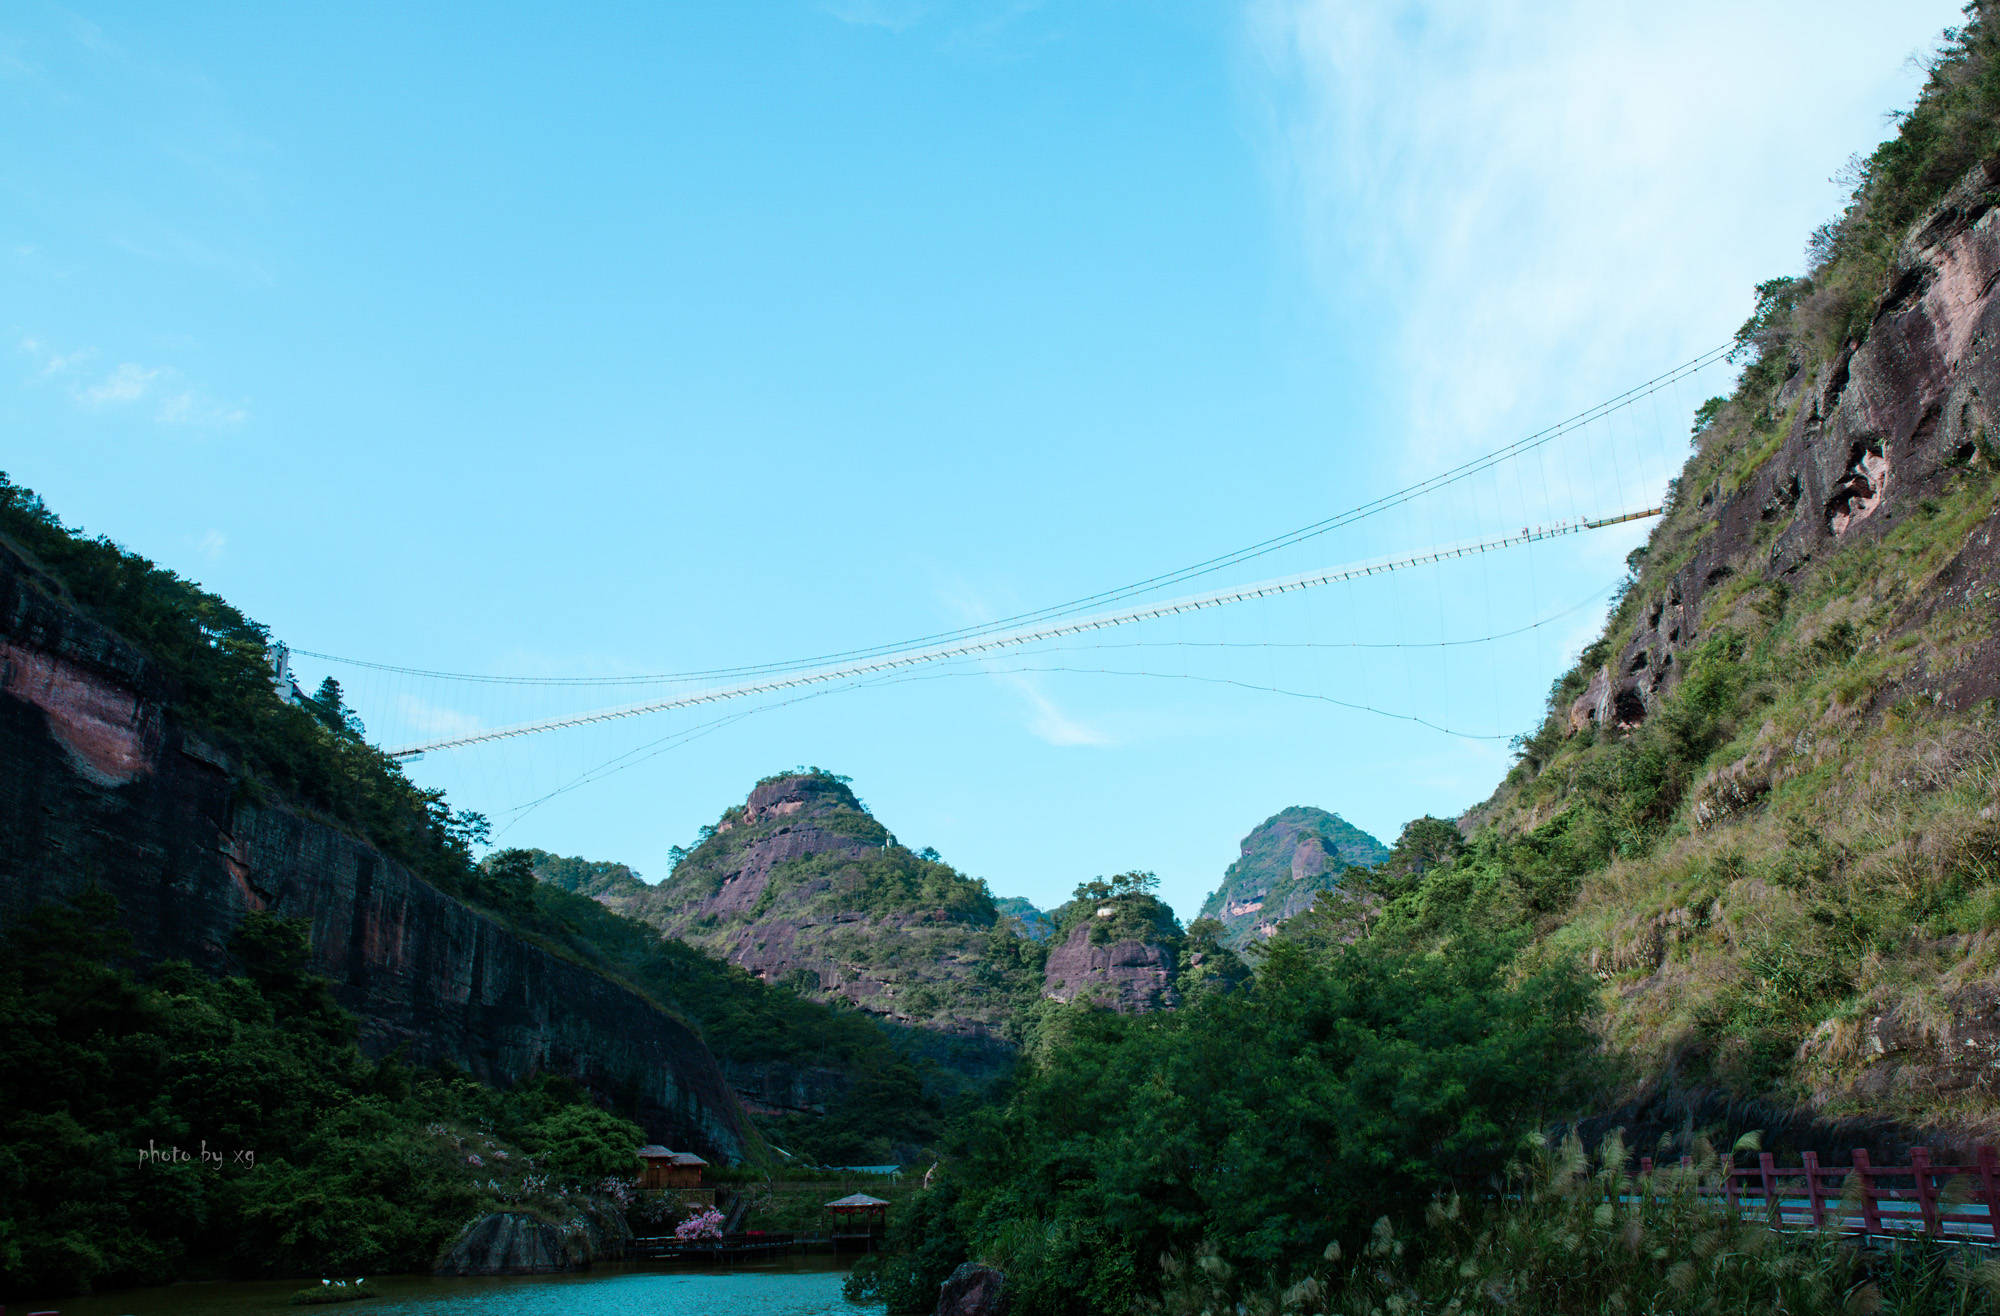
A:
{"points": [[669, 1169]]}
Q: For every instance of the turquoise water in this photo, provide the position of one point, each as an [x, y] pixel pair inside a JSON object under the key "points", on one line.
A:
{"points": [[796, 1286]]}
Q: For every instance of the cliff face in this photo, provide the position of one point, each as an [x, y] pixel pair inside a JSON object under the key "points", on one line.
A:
{"points": [[99, 783], [1782, 761], [1121, 951], [1286, 861], [1877, 432], [801, 886], [1129, 976]]}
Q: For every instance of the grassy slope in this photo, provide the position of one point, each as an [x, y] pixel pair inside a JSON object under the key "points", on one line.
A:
{"points": [[1751, 942]]}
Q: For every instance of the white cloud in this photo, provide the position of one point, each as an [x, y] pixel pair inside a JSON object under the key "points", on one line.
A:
{"points": [[894, 15], [427, 719], [1541, 203], [1050, 724], [128, 384], [187, 407]]}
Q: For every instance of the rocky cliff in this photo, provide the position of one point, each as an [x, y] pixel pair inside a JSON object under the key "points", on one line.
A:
{"points": [[1122, 950], [1776, 778], [1286, 860], [101, 781]]}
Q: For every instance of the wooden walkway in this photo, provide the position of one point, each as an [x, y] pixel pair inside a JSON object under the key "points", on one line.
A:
{"points": [[1956, 1202], [728, 1250]]}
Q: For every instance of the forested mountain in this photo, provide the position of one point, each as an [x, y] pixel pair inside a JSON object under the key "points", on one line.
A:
{"points": [[190, 862], [801, 886], [1286, 861]]}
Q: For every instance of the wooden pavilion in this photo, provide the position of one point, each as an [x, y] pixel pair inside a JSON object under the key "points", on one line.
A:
{"points": [[859, 1222]]}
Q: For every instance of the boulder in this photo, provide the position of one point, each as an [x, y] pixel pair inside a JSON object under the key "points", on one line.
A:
{"points": [[973, 1290], [518, 1243]]}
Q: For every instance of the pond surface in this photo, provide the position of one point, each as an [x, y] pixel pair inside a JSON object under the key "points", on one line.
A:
{"points": [[791, 1286]]}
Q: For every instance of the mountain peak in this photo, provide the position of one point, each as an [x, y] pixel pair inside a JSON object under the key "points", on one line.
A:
{"points": [[1285, 861]]}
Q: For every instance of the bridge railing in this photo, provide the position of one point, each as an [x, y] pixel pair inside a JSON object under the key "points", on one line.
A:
{"points": [[1960, 1202]]}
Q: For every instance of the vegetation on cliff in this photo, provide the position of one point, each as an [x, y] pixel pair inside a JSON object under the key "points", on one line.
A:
{"points": [[176, 1124], [1787, 875], [214, 665], [880, 1106], [804, 887]]}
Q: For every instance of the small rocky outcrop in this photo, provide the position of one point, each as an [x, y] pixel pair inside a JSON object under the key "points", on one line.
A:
{"points": [[1130, 977], [1121, 951], [520, 1243], [1285, 862], [973, 1290]]}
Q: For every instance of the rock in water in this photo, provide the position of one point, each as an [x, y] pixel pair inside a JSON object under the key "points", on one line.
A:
{"points": [[973, 1290], [516, 1243]]}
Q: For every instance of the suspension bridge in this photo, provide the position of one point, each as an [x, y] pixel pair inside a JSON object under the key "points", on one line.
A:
{"points": [[1613, 430], [1031, 635]]}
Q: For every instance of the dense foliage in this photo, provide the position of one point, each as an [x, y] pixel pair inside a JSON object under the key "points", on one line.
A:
{"points": [[177, 1124], [1259, 1123]]}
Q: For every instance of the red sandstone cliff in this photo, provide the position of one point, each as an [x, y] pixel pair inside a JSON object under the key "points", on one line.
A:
{"points": [[99, 782]]}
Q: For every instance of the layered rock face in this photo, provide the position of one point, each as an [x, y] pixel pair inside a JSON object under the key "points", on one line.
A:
{"points": [[99, 783], [1121, 951], [1129, 976], [1879, 430], [1286, 861]]}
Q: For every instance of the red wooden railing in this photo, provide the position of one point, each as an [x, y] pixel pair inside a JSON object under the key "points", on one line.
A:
{"points": [[1956, 1201]]}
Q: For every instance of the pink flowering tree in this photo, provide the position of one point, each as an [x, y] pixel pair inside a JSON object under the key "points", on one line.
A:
{"points": [[703, 1224]]}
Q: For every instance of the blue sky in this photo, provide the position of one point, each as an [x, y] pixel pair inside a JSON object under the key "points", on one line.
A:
{"points": [[609, 341]]}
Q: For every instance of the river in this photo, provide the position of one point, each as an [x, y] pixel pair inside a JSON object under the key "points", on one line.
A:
{"points": [[792, 1286]]}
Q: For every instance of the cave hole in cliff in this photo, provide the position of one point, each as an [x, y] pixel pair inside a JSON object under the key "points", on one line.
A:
{"points": [[1782, 499], [1653, 617], [1859, 490], [1639, 661], [1628, 709], [1717, 576], [1837, 381]]}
